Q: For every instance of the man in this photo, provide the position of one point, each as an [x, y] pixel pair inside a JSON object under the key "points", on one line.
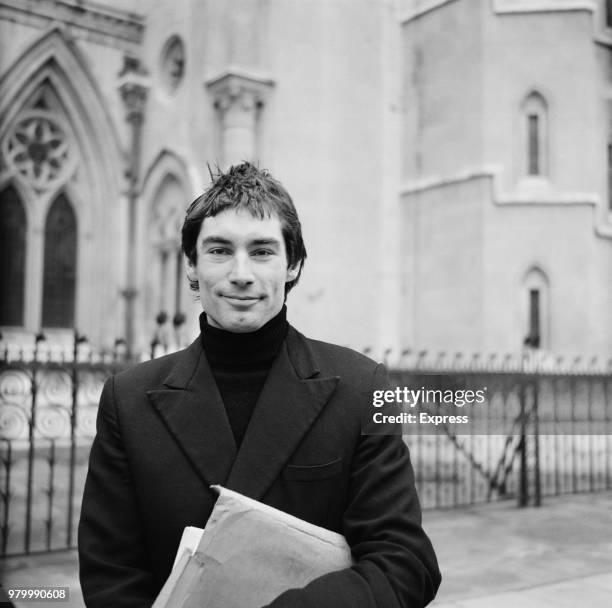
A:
{"points": [[255, 406]]}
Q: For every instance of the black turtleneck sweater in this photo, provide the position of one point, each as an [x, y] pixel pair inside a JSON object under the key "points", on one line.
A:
{"points": [[240, 363]]}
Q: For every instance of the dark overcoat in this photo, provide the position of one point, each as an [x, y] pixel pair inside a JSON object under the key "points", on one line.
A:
{"points": [[163, 438]]}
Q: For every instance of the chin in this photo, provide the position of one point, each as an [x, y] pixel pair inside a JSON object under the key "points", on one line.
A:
{"points": [[243, 323]]}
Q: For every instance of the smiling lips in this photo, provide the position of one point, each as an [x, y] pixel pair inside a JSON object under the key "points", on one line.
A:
{"points": [[245, 299]]}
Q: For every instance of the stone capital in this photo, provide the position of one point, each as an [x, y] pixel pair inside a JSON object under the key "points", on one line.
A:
{"points": [[133, 87], [235, 90]]}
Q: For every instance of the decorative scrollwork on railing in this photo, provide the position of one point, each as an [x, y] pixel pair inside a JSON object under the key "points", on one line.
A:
{"points": [[54, 402], [14, 422], [53, 422], [15, 387], [86, 421], [90, 387], [55, 387]]}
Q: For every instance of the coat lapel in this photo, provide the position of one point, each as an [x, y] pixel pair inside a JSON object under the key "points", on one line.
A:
{"points": [[193, 412], [291, 399]]}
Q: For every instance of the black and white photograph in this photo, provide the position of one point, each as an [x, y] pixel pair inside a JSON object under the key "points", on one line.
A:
{"points": [[306, 303]]}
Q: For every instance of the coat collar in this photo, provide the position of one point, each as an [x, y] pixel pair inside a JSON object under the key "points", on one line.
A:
{"points": [[291, 399]]}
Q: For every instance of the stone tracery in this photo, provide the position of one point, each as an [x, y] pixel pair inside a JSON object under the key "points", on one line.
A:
{"points": [[39, 149]]}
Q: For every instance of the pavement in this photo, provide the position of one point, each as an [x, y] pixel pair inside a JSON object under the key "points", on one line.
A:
{"points": [[493, 556], [501, 556]]}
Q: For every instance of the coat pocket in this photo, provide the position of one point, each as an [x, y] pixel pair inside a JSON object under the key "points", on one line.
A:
{"points": [[313, 472]]}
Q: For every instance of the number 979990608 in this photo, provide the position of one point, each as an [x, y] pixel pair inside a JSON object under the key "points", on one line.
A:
{"points": [[34, 594]]}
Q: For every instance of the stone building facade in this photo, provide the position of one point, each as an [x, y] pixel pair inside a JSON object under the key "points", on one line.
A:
{"points": [[450, 161], [506, 193]]}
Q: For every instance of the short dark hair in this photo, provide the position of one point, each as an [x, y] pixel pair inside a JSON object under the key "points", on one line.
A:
{"points": [[245, 186]]}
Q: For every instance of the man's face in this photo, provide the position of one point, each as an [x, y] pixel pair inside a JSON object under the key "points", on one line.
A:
{"points": [[241, 269]]}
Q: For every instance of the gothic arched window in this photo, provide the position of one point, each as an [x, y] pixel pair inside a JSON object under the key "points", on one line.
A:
{"points": [[537, 309], [12, 257], [59, 277], [536, 131]]}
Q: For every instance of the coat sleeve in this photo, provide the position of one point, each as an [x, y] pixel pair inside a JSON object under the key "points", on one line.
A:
{"points": [[395, 564], [113, 564]]}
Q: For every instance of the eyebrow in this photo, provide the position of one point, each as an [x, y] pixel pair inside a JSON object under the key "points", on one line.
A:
{"points": [[209, 240], [266, 242], [214, 239]]}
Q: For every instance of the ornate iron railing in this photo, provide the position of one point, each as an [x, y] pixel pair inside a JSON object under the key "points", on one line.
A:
{"points": [[546, 429], [48, 407]]}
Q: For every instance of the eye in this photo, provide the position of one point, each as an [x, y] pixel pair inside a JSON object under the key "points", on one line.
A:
{"points": [[218, 251], [262, 252]]}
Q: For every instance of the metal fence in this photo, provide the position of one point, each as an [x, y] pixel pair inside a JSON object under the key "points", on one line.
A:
{"points": [[48, 408], [545, 430]]}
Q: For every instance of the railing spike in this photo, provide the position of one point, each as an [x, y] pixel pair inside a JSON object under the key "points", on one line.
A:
{"points": [[386, 356], [421, 359]]}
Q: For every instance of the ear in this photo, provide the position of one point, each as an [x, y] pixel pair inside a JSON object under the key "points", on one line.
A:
{"points": [[292, 273]]}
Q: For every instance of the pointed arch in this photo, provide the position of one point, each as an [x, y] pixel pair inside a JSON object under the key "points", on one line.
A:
{"points": [[50, 84], [167, 211], [169, 162], [52, 74], [60, 265], [13, 228], [535, 290], [535, 134], [56, 58], [168, 189]]}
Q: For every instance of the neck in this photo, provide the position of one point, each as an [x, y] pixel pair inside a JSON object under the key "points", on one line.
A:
{"points": [[244, 351]]}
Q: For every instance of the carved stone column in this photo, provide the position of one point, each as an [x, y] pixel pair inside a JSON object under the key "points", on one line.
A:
{"points": [[133, 87], [238, 99]]}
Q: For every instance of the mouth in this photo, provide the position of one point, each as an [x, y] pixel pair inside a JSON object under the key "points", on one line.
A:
{"points": [[240, 301]]}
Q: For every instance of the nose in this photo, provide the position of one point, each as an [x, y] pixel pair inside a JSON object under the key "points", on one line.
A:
{"points": [[241, 273]]}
